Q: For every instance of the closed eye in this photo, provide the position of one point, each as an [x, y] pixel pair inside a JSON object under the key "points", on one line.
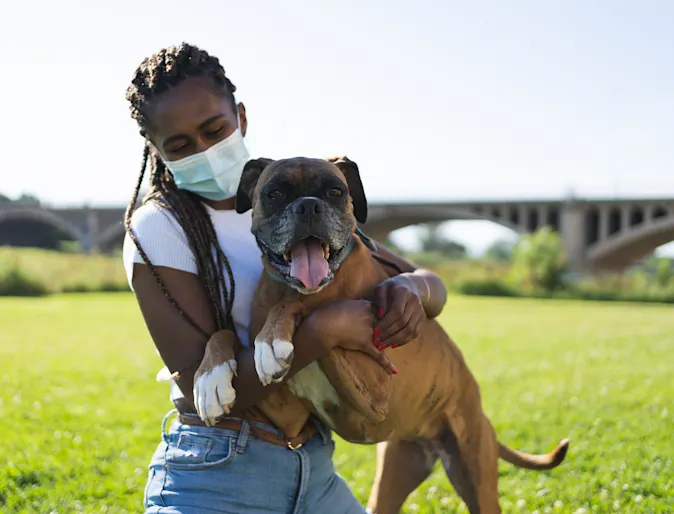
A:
{"points": [[214, 133], [335, 192]]}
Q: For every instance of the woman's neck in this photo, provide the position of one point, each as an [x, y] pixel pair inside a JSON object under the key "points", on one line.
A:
{"points": [[222, 205]]}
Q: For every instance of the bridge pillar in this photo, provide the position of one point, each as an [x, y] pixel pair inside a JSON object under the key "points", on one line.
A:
{"points": [[542, 217], [573, 234], [90, 234], [604, 217], [624, 218]]}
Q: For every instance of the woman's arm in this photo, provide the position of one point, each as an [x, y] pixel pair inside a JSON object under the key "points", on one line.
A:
{"points": [[425, 284], [404, 300], [182, 347]]}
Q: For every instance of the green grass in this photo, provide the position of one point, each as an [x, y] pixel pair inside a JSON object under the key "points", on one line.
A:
{"points": [[81, 411], [60, 271]]}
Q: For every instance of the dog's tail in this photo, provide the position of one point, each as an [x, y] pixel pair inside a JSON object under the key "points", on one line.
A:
{"points": [[538, 462]]}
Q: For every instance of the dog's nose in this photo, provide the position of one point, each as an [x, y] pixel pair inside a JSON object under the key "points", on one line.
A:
{"points": [[306, 207]]}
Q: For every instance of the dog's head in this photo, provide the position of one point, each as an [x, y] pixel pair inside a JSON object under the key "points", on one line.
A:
{"points": [[304, 214]]}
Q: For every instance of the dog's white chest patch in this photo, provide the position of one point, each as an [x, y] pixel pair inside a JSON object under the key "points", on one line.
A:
{"points": [[311, 384]]}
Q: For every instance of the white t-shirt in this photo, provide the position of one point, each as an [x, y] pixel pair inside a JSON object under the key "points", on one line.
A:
{"points": [[165, 244]]}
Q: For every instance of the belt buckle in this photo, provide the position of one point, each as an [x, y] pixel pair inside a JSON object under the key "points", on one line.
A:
{"points": [[294, 447]]}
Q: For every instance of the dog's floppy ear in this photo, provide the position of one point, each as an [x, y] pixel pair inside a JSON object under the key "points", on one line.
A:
{"points": [[251, 173], [356, 191]]}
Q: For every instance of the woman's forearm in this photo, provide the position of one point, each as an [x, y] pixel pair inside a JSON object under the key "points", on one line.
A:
{"points": [[309, 346], [430, 289]]}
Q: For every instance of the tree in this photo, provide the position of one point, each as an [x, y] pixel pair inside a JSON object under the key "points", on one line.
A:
{"points": [[663, 271], [27, 199], [539, 261], [434, 242], [501, 250]]}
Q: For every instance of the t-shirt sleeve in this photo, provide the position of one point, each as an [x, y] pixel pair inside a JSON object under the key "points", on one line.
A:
{"points": [[162, 239]]}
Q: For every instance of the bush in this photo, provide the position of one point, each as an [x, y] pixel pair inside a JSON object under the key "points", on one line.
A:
{"points": [[113, 287], [539, 263], [66, 272], [15, 282], [486, 288]]}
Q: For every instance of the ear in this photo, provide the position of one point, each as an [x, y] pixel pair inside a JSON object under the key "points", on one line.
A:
{"points": [[356, 191], [243, 119], [251, 173]]}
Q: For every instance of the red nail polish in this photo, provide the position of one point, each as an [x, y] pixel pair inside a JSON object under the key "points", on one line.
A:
{"points": [[377, 332], [380, 313], [395, 345], [376, 342], [381, 347], [395, 370]]}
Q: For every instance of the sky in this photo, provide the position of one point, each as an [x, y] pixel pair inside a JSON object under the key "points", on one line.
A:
{"points": [[435, 100]]}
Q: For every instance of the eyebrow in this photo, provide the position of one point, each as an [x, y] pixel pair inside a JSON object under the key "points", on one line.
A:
{"points": [[177, 137]]}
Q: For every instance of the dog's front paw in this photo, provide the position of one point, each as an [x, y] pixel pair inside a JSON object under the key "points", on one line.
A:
{"points": [[272, 360], [214, 394]]}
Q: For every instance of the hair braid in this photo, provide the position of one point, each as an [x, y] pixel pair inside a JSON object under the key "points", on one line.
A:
{"points": [[156, 74]]}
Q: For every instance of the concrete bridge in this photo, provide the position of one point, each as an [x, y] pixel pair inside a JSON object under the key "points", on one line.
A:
{"points": [[598, 234]]}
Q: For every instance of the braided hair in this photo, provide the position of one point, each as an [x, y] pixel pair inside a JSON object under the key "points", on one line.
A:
{"points": [[155, 75]]}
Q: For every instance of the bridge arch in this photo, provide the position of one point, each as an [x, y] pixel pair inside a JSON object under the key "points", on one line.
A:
{"points": [[387, 219], [111, 238], [35, 227], [620, 250]]}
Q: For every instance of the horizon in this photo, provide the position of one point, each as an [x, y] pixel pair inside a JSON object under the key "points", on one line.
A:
{"points": [[511, 101]]}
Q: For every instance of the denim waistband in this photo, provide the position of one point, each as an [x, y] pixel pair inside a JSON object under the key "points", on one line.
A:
{"points": [[323, 430]]}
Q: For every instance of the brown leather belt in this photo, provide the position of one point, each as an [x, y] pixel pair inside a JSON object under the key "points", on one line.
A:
{"points": [[294, 443]]}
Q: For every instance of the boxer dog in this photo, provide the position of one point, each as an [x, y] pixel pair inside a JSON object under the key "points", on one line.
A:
{"points": [[305, 214]]}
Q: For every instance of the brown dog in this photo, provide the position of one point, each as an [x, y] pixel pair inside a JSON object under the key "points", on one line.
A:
{"points": [[305, 212]]}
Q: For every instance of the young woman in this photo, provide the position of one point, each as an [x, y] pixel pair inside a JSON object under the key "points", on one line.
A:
{"points": [[194, 266]]}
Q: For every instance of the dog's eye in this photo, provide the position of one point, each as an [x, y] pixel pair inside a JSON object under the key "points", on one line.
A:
{"points": [[274, 194], [335, 192]]}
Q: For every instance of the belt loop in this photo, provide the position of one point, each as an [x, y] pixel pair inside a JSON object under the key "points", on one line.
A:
{"points": [[242, 439], [164, 435]]}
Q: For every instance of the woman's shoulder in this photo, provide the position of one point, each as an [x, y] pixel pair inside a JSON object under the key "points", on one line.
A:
{"points": [[161, 238], [153, 217]]}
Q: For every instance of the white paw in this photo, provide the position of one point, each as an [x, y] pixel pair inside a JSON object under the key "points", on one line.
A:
{"points": [[272, 361], [164, 375], [214, 394]]}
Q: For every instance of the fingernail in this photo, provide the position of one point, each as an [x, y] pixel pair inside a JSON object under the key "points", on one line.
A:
{"points": [[380, 313], [381, 347], [395, 370], [376, 342], [377, 332], [395, 345]]}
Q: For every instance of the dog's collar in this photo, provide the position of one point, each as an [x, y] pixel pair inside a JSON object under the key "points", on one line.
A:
{"points": [[338, 262]]}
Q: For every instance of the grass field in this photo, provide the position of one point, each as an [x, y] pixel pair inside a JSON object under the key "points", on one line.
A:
{"points": [[60, 271], [81, 411]]}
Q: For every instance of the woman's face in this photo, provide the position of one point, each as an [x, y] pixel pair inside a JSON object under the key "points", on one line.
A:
{"points": [[190, 118]]}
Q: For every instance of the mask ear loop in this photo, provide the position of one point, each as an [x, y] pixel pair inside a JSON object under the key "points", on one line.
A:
{"points": [[238, 121]]}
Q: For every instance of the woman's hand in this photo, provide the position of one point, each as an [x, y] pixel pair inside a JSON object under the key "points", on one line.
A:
{"points": [[400, 312], [349, 324]]}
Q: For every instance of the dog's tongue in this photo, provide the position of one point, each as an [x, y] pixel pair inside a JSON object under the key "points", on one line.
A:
{"points": [[308, 264]]}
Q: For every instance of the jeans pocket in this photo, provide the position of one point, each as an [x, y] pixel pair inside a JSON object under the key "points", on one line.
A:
{"points": [[192, 452]]}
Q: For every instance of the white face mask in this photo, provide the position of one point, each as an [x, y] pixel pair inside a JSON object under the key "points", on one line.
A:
{"points": [[214, 173]]}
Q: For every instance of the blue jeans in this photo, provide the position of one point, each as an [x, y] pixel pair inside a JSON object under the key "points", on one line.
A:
{"points": [[197, 469]]}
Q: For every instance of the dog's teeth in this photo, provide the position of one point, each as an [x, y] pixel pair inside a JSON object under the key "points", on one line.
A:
{"points": [[286, 256], [326, 251]]}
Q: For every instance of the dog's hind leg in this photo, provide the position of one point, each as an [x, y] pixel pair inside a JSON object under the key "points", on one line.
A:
{"points": [[470, 457], [457, 472], [401, 467]]}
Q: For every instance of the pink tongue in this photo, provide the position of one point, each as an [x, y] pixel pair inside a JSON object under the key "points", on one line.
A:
{"points": [[308, 263]]}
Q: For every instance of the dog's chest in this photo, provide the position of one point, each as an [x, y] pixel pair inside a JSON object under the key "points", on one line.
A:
{"points": [[312, 385]]}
